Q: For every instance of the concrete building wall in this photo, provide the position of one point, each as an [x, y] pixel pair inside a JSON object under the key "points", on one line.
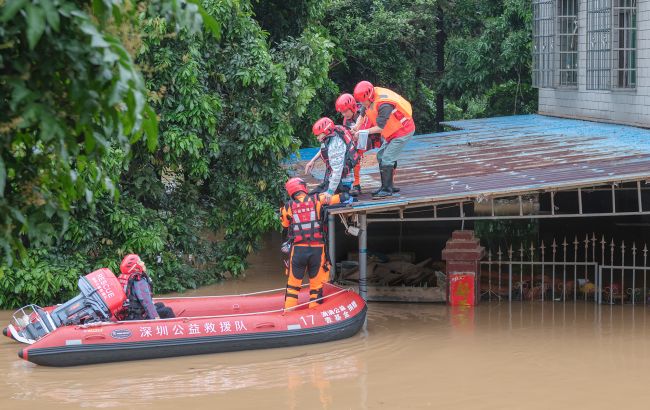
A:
{"points": [[622, 106]]}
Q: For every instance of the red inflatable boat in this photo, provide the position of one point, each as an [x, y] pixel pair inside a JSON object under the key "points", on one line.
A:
{"points": [[81, 331]]}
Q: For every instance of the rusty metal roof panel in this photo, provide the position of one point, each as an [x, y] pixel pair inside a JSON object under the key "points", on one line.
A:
{"points": [[497, 156]]}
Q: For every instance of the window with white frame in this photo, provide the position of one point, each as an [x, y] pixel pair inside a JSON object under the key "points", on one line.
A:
{"points": [[624, 43], [543, 43], [567, 20], [599, 19]]}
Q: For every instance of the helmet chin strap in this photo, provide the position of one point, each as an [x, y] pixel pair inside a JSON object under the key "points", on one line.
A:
{"points": [[140, 263]]}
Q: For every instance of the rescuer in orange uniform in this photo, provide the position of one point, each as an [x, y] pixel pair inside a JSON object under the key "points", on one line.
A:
{"points": [[391, 115], [301, 217], [348, 107]]}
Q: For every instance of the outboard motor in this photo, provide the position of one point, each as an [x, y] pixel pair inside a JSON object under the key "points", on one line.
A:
{"points": [[101, 296]]}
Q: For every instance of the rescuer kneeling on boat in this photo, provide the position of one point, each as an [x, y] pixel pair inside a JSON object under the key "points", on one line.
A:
{"points": [[139, 292], [301, 217]]}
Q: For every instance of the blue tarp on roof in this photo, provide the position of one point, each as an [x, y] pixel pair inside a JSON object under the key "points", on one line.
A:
{"points": [[513, 126]]}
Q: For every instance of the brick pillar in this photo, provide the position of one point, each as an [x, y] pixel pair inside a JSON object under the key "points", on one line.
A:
{"points": [[462, 254]]}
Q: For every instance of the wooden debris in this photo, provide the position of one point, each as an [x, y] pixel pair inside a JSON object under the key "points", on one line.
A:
{"points": [[397, 272]]}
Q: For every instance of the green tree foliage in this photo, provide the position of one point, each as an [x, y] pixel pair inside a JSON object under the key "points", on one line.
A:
{"points": [[390, 43], [488, 58], [40, 277], [195, 200], [393, 44], [73, 103], [288, 18], [228, 109], [70, 91]]}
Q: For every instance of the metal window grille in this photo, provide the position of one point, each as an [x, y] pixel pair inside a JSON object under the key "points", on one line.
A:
{"points": [[543, 43], [624, 43], [599, 44], [567, 20]]}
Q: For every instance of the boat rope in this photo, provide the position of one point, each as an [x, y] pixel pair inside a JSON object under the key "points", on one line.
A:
{"points": [[239, 295], [221, 296], [342, 290]]}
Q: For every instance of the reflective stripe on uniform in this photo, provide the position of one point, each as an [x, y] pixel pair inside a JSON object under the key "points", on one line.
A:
{"points": [[305, 224], [403, 120]]}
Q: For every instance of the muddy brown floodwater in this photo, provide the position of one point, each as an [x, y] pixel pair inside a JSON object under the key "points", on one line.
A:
{"points": [[498, 356]]}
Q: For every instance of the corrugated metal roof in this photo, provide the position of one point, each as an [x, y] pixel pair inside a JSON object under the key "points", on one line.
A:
{"points": [[499, 156]]}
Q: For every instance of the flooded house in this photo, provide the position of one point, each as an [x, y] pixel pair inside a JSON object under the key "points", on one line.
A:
{"points": [[545, 207]]}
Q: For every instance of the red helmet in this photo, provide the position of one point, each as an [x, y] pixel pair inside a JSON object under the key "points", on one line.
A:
{"points": [[294, 185], [346, 102], [324, 125], [131, 264], [364, 91]]}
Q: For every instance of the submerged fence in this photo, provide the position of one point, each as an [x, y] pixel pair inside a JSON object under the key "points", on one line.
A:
{"points": [[595, 268]]}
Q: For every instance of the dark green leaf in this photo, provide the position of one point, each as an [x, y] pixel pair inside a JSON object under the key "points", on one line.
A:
{"points": [[212, 24], [98, 8], [51, 14], [11, 7], [35, 24], [49, 211], [3, 178], [18, 215], [150, 125]]}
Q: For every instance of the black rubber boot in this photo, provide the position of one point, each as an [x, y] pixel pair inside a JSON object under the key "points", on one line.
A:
{"points": [[395, 189], [356, 190], [383, 182], [376, 191], [386, 189]]}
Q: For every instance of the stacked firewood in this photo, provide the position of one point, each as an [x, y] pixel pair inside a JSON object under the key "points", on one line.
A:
{"points": [[395, 272]]}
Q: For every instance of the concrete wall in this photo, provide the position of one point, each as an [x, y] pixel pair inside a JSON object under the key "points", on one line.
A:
{"points": [[630, 107]]}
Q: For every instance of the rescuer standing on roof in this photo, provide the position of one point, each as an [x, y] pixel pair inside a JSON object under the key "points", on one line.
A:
{"points": [[391, 115], [349, 109], [302, 218], [339, 153]]}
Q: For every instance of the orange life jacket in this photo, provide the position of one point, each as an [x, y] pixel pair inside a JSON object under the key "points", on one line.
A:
{"points": [[132, 308], [305, 221], [124, 280], [398, 118]]}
